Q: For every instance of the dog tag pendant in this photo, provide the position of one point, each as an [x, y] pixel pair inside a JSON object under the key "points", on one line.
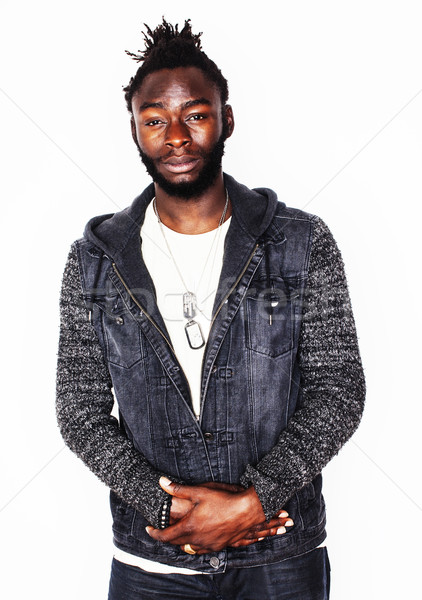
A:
{"points": [[272, 300], [194, 335], [189, 305]]}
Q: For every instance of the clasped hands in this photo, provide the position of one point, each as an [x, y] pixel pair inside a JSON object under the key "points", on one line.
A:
{"points": [[212, 516]]}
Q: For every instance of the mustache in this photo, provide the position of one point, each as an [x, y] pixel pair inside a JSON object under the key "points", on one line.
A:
{"points": [[187, 152]]}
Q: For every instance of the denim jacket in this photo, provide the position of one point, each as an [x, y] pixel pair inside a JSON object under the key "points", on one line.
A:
{"points": [[251, 378]]}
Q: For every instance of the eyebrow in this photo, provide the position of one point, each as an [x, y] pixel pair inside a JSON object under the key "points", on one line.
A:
{"points": [[191, 103], [187, 104]]}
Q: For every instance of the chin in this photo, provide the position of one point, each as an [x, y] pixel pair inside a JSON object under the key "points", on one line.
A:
{"points": [[185, 189], [187, 186], [192, 186]]}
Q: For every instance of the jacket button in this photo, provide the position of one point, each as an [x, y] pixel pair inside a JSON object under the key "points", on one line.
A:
{"points": [[214, 370], [208, 437], [214, 562]]}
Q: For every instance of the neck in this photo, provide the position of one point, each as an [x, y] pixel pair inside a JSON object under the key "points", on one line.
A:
{"points": [[193, 215]]}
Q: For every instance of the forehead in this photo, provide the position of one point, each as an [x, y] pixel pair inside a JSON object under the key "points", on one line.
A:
{"points": [[175, 86]]}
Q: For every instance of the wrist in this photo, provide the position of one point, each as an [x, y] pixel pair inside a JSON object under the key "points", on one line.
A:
{"points": [[252, 506]]}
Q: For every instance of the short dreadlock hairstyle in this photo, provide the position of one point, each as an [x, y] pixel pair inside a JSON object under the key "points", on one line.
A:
{"points": [[167, 48]]}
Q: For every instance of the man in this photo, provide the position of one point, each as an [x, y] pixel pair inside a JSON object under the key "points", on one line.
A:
{"points": [[221, 320]]}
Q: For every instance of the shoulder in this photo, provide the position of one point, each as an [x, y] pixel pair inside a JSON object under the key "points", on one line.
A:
{"points": [[294, 214], [320, 233]]}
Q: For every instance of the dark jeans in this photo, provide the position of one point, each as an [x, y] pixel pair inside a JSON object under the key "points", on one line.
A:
{"points": [[305, 577]]}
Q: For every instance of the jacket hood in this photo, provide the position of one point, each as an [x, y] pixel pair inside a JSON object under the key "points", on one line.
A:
{"points": [[252, 209]]}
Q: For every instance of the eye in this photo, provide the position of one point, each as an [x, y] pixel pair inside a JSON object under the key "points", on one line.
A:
{"points": [[153, 122], [195, 117]]}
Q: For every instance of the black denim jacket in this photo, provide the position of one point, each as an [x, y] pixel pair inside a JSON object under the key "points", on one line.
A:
{"points": [[259, 413]]}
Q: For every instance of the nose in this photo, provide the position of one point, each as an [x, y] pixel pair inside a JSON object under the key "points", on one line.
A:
{"points": [[177, 134]]}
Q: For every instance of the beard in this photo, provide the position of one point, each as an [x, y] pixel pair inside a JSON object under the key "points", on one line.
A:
{"points": [[206, 177]]}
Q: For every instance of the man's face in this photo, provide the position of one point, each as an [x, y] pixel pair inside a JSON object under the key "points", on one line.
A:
{"points": [[180, 130]]}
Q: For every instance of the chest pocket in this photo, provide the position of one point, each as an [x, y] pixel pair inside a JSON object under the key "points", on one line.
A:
{"points": [[270, 317], [122, 335]]}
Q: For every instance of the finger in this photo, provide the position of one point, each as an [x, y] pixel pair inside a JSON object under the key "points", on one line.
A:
{"points": [[228, 487], [167, 535], [177, 489], [177, 534], [270, 532], [268, 525], [284, 522], [273, 524], [243, 542], [196, 549], [274, 527], [179, 508], [205, 551], [259, 536]]}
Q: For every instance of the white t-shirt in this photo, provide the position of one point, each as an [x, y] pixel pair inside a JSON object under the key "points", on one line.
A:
{"points": [[199, 259]]}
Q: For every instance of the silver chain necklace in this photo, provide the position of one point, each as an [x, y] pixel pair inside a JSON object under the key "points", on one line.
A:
{"points": [[190, 303]]}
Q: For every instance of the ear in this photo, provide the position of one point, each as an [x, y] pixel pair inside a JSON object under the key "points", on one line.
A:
{"points": [[133, 129], [229, 119]]}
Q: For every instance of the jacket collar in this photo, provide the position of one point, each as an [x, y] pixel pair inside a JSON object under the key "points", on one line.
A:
{"points": [[252, 222], [253, 210]]}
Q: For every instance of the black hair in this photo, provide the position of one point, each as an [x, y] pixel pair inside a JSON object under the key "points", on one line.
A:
{"points": [[167, 48]]}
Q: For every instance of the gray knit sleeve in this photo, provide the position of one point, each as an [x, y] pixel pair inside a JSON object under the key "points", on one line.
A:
{"points": [[332, 382], [85, 401]]}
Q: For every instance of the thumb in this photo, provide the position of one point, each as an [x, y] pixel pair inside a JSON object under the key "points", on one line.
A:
{"points": [[175, 489], [165, 483]]}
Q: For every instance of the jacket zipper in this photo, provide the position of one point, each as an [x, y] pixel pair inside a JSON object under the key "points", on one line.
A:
{"points": [[151, 320], [234, 285], [216, 314]]}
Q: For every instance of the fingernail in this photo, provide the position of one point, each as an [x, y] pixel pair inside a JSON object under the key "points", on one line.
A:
{"points": [[283, 514], [289, 523], [281, 530], [165, 481], [260, 539], [148, 529]]}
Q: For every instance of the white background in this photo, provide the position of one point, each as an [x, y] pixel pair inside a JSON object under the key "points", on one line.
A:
{"points": [[327, 98]]}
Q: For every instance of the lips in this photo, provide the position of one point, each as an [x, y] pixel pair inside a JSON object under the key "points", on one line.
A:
{"points": [[180, 164]]}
